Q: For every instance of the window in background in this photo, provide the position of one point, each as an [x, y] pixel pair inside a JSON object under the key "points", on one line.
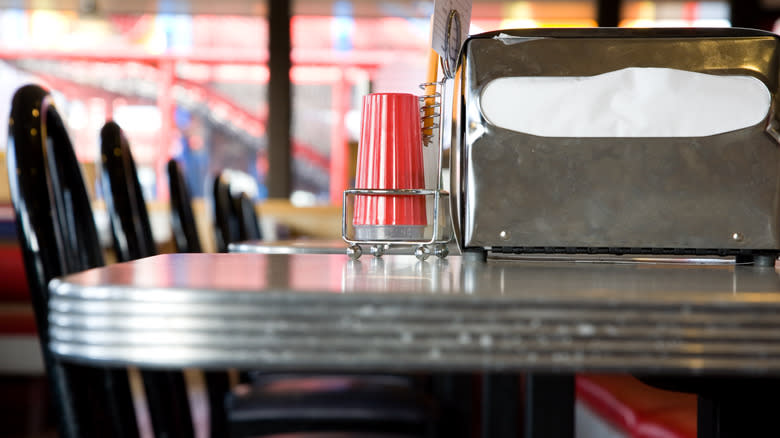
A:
{"points": [[345, 49], [200, 80], [336, 60], [191, 87], [523, 14], [675, 14]]}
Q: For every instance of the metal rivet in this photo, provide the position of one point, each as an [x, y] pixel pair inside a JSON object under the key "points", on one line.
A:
{"points": [[737, 237], [33, 132], [377, 251], [422, 252], [504, 235], [35, 112], [354, 252]]}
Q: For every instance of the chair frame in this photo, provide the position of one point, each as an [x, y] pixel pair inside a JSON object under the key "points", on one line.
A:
{"points": [[185, 230], [235, 218], [166, 391], [187, 240], [58, 236], [226, 228], [130, 225]]}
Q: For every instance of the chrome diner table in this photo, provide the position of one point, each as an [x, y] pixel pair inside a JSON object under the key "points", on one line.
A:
{"points": [[311, 246], [396, 313], [295, 246]]}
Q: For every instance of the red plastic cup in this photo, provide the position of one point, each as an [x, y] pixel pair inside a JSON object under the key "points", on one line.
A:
{"points": [[390, 157]]}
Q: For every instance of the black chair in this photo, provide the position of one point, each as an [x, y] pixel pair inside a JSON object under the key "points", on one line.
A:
{"points": [[235, 218], [185, 231], [57, 234], [130, 224], [186, 238], [226, 227], [166, 391], [248, 222], [351, 404]]}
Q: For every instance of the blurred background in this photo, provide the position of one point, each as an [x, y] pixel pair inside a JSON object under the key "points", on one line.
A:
{"points": [[206, 82], [188, 79]]}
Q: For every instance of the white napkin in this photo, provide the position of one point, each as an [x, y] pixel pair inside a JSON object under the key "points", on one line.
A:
{"points": [[633, 102]]}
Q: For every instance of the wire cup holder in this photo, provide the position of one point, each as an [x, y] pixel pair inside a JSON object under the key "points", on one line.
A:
{"points": [[440, 235]]}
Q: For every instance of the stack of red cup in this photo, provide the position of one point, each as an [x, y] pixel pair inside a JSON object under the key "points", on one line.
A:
{"points": [[390, 157]]}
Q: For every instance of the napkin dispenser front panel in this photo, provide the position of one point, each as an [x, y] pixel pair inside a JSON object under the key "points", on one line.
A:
{"points": [[519, 192]]}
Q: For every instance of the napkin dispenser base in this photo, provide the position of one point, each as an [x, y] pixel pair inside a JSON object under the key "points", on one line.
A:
{"points": [[519, 193]]}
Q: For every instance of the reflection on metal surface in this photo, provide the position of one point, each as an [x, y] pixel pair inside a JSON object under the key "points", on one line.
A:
{"points": [[614, 195], [616, 259], [290, 247], [327, 311], [299, 247], [217, 276]]}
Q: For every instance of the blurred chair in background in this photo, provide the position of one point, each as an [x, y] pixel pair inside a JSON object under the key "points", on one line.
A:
{"points": [[166, 391], [225, 223], [130, 226], [185, 234], [57, 234], [235, 217], [248, 222], [348, 405], [185, 230]]}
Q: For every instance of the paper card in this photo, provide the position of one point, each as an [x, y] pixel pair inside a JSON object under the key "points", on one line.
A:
{"points": [[441, 24]]}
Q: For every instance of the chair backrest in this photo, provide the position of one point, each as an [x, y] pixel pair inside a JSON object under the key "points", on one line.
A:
{"points": [[166, 391], [226, 229], [187, 240], [57, 234], [130, 224], [235, 217], [185, 230], [248, 222]]}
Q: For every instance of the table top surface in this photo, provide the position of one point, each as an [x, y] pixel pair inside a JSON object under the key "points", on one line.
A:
{"points": [[330, 312], [313, 246], [331, 246]]}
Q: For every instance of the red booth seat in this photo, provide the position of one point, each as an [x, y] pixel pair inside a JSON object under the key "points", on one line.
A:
{"points": [[13, 283], [16, 316], [637, 409], [17, 319]]}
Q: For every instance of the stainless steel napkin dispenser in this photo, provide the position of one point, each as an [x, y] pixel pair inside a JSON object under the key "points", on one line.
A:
{"points": [[522, 192]]}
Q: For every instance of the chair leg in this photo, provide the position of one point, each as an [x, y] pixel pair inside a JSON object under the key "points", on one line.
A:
{"points": [[120, 402], [217, 387], [67, 404], [98, 394], [455, 393], [166, 393], [501, 405], [549, 405]]}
